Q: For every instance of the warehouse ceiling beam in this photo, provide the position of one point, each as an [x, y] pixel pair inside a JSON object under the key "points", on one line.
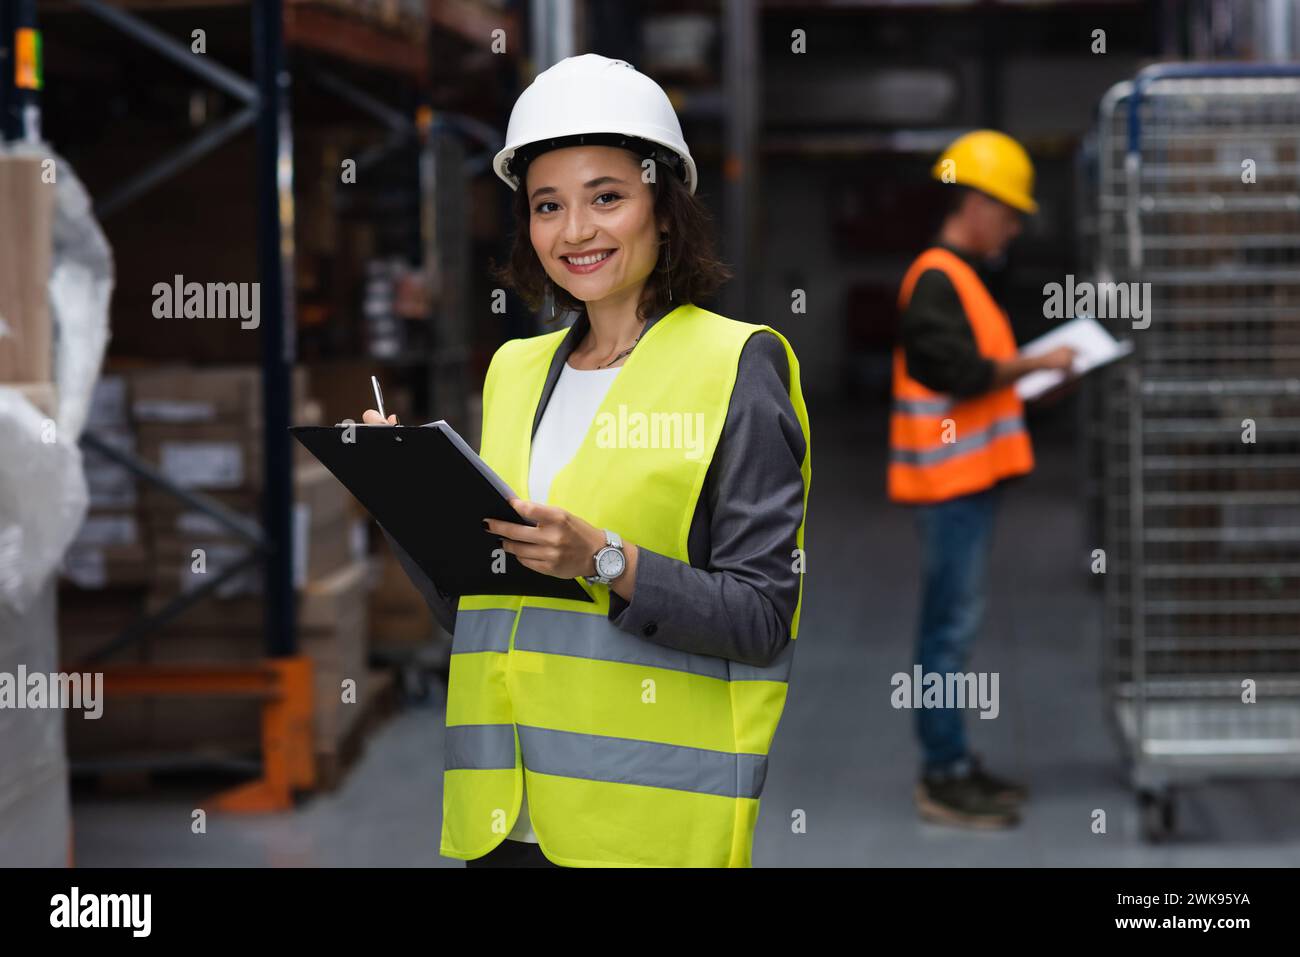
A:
{"points": [[203, 67]]}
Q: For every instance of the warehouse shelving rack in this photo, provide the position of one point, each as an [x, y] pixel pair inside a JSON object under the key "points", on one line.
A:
{"points": [[262, 102], [1200, 433], [277, 26]]}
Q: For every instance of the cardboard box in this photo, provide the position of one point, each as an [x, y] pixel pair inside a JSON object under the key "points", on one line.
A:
{"points": [[323, 496], [27, 215], [333, 598], [320, 551], [181, 394], [344, 659], [334, 629], [325, 537], [166, 514], [221, 453], [109, 551], [94, 568], [216, 456], [184, 565]]}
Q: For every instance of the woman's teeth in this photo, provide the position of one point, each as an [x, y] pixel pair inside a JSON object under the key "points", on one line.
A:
{"points": [[589, 260]]}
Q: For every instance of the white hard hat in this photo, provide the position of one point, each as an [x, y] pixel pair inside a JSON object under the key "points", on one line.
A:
{"points": [[591, 99]]}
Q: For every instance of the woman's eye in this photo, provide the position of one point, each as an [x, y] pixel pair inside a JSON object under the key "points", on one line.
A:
{"points": [[541, 207], [613, 197]]}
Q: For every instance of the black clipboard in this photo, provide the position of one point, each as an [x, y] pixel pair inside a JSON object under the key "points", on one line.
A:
{"points": [[430, 491]]}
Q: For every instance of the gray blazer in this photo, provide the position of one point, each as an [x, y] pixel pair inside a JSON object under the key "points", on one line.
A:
{"points": [[736, 597]]}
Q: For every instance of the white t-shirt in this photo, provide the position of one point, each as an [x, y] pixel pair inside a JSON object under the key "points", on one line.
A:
{"points": [[577, 395]]}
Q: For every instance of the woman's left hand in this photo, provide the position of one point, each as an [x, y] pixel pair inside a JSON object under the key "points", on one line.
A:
{"points": [[561, 544]]}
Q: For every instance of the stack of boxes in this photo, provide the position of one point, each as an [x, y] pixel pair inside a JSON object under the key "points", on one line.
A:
{"points": [[202, 429], [110, 549]]}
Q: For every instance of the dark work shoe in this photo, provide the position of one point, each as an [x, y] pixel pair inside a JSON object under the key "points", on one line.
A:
{"points": [[1005, 792], [961, 802]]}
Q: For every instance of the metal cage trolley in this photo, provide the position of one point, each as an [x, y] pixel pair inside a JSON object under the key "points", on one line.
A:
{"points": [[1198, 436]]}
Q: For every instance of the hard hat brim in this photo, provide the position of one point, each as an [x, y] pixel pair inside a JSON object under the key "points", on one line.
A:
{"points": [[511, 163], [1017, 201]]}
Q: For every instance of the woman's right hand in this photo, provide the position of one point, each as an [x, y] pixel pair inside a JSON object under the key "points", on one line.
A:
{"points": [[372, 417]]}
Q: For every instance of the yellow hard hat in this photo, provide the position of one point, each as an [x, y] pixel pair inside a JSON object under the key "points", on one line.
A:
{"points": [[993, 163]]}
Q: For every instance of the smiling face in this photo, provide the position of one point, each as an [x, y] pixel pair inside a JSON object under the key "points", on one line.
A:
{"points": [[592, 221]]}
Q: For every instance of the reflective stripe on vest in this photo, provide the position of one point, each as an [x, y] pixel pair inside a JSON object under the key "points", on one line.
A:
{"points": [[600, 758], [942, 447], [1010, 425], [635, 753]]}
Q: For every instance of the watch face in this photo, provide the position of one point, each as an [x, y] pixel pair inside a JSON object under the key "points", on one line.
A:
{"points": [[609, 563]]}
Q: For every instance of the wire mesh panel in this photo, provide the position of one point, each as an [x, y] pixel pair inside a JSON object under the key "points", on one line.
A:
{"points": [[1199, 197]]}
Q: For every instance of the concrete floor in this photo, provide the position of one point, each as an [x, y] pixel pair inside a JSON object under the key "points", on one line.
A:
{"points": [[842, 755]]}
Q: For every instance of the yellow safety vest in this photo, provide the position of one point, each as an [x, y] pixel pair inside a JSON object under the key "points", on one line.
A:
{"points": [[635, 754]]}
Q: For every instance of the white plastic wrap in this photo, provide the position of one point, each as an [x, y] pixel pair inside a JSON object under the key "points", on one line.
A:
{"points": [[43, 496], [43, 499]]}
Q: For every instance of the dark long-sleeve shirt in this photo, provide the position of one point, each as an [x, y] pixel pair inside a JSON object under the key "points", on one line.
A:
{"points": [[938, 343], [736, 597]]}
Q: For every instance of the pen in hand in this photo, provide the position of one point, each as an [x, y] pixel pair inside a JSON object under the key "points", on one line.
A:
{"points": [[372, 417]]}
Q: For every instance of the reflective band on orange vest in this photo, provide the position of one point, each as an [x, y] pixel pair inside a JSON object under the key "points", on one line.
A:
{"points": [[923, 406], [970, 443]]}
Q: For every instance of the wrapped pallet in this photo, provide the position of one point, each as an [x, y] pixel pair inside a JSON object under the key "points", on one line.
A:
{"points": [[55, 274]]}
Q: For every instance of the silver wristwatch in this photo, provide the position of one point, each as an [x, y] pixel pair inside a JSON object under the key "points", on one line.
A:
{"points": [[610, 561]]}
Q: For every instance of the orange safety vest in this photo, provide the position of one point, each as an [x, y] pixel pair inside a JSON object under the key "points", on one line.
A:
{"points": [[941, 447]]}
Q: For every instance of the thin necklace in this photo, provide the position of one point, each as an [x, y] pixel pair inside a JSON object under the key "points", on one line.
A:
{"points": [[625, 351]]}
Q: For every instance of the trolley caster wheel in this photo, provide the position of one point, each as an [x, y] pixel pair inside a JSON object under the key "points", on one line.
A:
{"points": [[1157, 815]]}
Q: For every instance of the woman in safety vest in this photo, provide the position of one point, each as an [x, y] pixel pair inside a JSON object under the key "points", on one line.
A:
{"points": [[662, 452]]}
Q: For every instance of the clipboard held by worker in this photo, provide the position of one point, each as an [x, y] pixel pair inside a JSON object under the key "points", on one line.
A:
{"points": [[430, 491], [1093, 347]]}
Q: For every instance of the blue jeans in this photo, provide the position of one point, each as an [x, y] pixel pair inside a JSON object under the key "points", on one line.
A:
{"points": [[955, 541]]}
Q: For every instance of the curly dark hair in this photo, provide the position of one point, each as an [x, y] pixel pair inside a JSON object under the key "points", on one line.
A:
{"points": [[697, 273]]}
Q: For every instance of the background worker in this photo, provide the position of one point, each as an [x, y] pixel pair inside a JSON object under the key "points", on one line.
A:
{"points": [[956, 433]]}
